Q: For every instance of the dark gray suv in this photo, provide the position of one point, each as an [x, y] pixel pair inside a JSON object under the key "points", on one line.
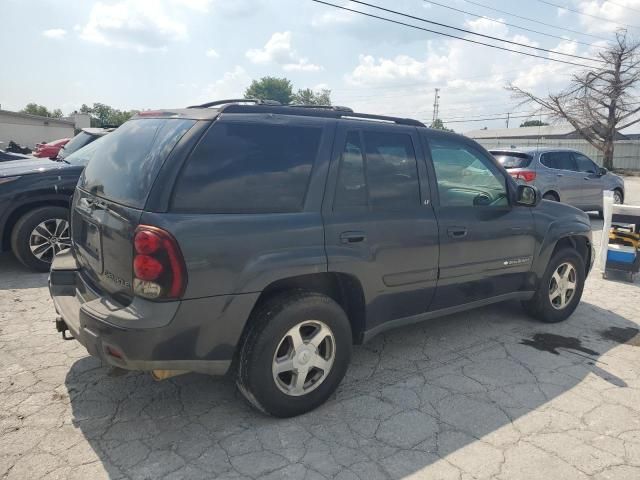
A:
{"points": [[266, 240]]}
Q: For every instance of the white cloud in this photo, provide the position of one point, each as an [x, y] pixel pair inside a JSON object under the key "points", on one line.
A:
{"points": [[278, 50], [231, 85], [198, 5], [211, 53], [55, 33], [141, 25], [372, 71]]}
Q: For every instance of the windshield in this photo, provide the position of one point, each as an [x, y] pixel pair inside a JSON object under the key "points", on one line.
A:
{"points": [[82, 156], [512, 159], [76, 143]]}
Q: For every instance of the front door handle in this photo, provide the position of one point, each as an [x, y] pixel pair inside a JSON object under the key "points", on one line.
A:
{"points": [[559, 175], [352, 237], [457, 232]]}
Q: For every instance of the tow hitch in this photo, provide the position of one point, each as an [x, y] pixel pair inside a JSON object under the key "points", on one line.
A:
{"points": [[61, 326]]}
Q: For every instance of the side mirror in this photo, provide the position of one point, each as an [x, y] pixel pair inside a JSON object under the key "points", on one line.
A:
{"points": [[528, 196], [602, 172]]}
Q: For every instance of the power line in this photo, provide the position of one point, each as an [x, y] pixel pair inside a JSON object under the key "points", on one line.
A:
{"points": [[509, 24], [471, 32], [446, 34], [569, 9], [623, 6], [534, 21]]}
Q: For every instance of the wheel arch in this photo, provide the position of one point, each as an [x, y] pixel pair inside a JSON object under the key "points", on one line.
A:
{"points": [[552, 192], [346, 290]]}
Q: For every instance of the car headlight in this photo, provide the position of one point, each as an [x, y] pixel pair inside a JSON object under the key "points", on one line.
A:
{"points": [[8, 179]]}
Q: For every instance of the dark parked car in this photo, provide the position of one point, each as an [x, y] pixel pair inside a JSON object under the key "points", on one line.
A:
{"points": [[85, 137], [265, 240], [34, 206]]}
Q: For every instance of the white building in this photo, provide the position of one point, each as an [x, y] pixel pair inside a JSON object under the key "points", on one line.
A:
{"points": [[27, 130]]}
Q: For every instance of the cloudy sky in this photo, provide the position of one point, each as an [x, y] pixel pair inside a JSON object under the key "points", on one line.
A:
{"points": [[168, 53]]}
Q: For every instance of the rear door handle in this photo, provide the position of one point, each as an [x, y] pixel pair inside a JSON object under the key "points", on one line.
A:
{"points": [[457, 232], [352, 237], [559, 175]]}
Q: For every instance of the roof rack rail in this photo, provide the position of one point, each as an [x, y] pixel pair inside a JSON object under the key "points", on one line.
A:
{"points": [[337, 108], [256, 101]]}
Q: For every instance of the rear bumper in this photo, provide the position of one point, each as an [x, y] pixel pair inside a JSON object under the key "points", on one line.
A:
{"points": [[194, 335]]}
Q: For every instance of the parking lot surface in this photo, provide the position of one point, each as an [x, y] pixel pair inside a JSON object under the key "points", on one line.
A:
{"points": [[483, 394]]}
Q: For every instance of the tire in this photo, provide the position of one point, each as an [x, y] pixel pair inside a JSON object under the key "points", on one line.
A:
{"points": [[25, 229], [550, 196], [268, 341], [618, 198], [541, 305]]}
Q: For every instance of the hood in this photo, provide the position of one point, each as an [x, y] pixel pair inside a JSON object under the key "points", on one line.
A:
{"points": [[28, 166], [563, 212]]}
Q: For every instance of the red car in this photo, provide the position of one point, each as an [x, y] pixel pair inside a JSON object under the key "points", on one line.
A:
{"points": [[51, 149]]}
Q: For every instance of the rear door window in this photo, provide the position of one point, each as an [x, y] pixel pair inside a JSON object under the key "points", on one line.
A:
{"points": [[558, 161], [248, 168], [128, 160], [392, 172], [379, 170]]}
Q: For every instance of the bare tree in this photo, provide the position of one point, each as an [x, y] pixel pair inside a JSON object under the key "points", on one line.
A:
{"points": [[600, 101]]}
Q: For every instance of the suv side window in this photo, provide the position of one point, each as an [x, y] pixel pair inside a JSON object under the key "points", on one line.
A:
{"points": [[392, 171], [248, 168], [351, 189], [585, 164], [558, 161], [465, 177], [382, 174]]}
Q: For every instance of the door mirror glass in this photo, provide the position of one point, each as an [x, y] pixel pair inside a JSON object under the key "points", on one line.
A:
{"points": [[527, 195], [603, 171]]}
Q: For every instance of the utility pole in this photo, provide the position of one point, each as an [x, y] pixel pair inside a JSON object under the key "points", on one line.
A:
{"points": [[508, 115], [436, 106]]}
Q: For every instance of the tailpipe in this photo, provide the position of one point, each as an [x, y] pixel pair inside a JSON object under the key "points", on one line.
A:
{"points": [[164, 374]]}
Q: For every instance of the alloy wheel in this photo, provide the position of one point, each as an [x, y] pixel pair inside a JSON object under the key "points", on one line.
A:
{"points": [[563, 285], [303, 358], [48, 238]]}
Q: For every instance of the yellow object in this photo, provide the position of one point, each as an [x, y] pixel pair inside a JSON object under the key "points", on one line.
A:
{"points": [[164, 374], [619, 236]]}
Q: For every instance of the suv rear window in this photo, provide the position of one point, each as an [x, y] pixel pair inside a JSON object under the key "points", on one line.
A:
{"points": [[248, 168], [512, 159], [128, 160]]}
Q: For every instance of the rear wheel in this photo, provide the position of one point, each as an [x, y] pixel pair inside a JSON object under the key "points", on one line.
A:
{"points": [[39, 235], [560, 288], [295, 354]]}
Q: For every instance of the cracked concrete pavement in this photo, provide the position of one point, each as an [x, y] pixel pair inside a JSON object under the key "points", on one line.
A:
{"points": [[484, 394]]}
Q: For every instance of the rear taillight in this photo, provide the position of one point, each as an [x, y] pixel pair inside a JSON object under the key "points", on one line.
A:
{"points": [[524, 175], [159, 271]]}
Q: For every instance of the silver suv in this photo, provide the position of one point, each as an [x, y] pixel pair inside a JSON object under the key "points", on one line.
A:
{"points": [[562, 175]]}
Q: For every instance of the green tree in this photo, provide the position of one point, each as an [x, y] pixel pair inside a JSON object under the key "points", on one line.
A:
{"points": [[439, 125], [307, 96], [102, 114], [35, 109], [271, 88], [534, 123]]}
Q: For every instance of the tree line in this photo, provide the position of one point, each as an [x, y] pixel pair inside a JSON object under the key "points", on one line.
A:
{"points": [[101, 115]]}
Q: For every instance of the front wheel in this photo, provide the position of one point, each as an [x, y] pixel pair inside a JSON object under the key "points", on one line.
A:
{"points": [[560, 288], [39, 235], [295, 354]]}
